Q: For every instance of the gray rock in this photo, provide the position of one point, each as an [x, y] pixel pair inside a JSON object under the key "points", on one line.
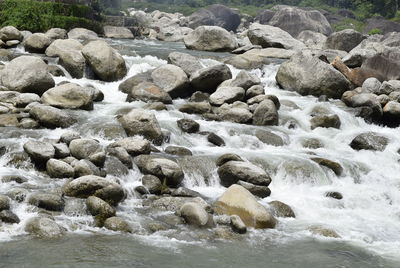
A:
{"points": [[194, 214], [47, 201], [152, 184], [135, 80], [172, 79], [84, 148], [122, 154], [61, 150], [37, 43], [325, 121], [82, 34], [388, 87], [149, 92], [256, 190], [334, 166], [26, 98], [133, 145], [227, 95], [372, 85], [117, 224], [113, 166], [282, 210], [188, 125], [188, 63], [344, 40], [117, 32], [44, 227], [215, 139], [4, 203], [178, 150], [266, 114], [226, 158], [369, 141], [208, 79], [8, 216], [86, 186], [238, 225], [84, 168], [312, 39], [237, 115], [69, 96], [245, 80], [112, 194], [56, 33], [195, 108], [39, 151], [69, 136], [268, 137], [97, 206], [51, 117], [59, 169], [233, 171], [210, 38]]}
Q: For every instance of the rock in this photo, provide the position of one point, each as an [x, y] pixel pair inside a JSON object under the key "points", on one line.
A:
{"points": [[266, 114], [44, 227], [135, 80], [215, 139], [196, 108], [70, 56], [268, 137], [295, 20], [334, 166], [194, 214], [8, 216], [84, 148], [238, 225], [185, 192], [238, 201], [37, 43], [10, 33], [226, 158], [59, 169], [236, 115], [210, 38], [39, 151], [22, 100], [334, 195], [312, 39], [257, 190], [178, 150], [233, 171], [227, 95], [82, 34], [386, 26], [264, 16], [173, 203], [69, 96], [97, 206], [325, 121], [8, 120], [105, 61], [4, 203], [117, 224], [69, 136], [318, 230], [86, 186], [144, 123], [388, 87], [372, 85], [17, 194], [281, 210], [133, 145], [353, 99], [303, 73], [112, 194], [12, 43], [270, 36], [47, 201], [122, 154], [188, 125], [344, 40], [61, 150], [13, 178], [56, 33], [84, 168], [384, 66], [368, 48], [149, 92], [117, 32], [172, 79], [369, 141], [113, 166], [245, 80], [152, 184], [391, 113], [188, 63], [27, 74], [162, 168], [208, 79]]}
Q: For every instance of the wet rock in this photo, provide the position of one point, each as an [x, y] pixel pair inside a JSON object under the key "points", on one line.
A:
{"points": [[47, 201], [84, 148], [113, 166], [334, 195], [266, 114], [97, 206], [334, 166], [51, 117], [318, 230], [44, 227], [69, 96], [185, 192], [117, 32], [238, 201], [372, 85], [135, 80], [17, 194], [117, 224], [312, 39], [236, 115], [152, 184], [86, 186], [133, 145], [149, 92], [391, 113], [4, 203], [270, 36], [369, 100], [173, 203], [162, 168], [144, 123], [37, 43], [325, 121], [59, 169], [245, 80], [39, 151], [226, 158], [369, 141], [27, 74], [257, 190], [210, 38], [61, 150], [69, 136], [344, 40], [98, 158], [112, 194], [388, 87], [13, 178], [282, 210], [195, 108], [82, 34], [215, 139], [188, 63], [172, 79], [56, 33], [254, 91], [227, 95], [157, 106], [238, 225], [121, 154], [194, 214], [208, 79], [10, 33], [26, 98], [188, 125], [177, 150], [106, 62], [233, 171], [85, 167], [268, 137], [8, 216], [8, 120]]}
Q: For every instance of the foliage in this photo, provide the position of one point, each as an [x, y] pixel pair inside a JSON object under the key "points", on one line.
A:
{"points": [[349, 24], [375, 31]]}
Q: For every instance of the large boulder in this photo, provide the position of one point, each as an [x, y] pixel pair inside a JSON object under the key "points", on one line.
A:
{"points": [[37, 43], [210, 38], [117, 32], [59, 169], [149, 92], [172, 79], [238, 201], [9, 33], [44, 227], [312, 39], [194, 214], [309, 75], [144, 123], [57, 33], [227, 95], [344, 40], [86, 186], [266, 114], [386, 26], [97, 206], [215, 15], [256, 58], [51, 117], [105, 61], [188, 63], [233, 171], [27, 74], [82, 34], [270, 36], [69, 96], [39, 151], [48, 201], [384, 66], [369, 141], [135, 80], [208, 79], [294, 20], [264, 16], [70, 56], [84, 148]]}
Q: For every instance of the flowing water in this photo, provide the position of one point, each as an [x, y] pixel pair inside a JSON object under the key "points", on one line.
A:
{"points": [[367, 218]]}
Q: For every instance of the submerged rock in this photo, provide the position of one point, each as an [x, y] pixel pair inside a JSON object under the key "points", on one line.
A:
{"points": [[97, 206], [118, 224], [280, 209], [44, 227]]}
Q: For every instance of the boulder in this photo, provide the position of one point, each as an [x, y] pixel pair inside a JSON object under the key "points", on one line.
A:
{"points": [[27, 74], [236, 115], [4, 202], [195, 108], [84, 148], [391, 113], [117, 224], [105, 61], [133, 145], [97, 206], [86, 186], [177, 150], [152, 184], [85, 167], [226, 158], [51, 117], [295, 20], [70, 56], [312, 39], [112, 194], [255, 90], [233, 171], [308, 75], [57, 33], [372, 85], [256, 190], [194, 214], [281, 210], [227, 95], [369, 141], [270, 36], [121, 154], [149, 92], [266, 114], [39, 151], [8, 216], [269, 138], [135, 80], [245, 80], [210, 38], [144, 123], [82, 34], [44, 227], [37, 43], [117, 32], [47, 201], [172, 79], [385, 66], [388, 87], [69, 96], [325, 121], [188, 63], [264, 16], [8, 33], [386, 26], [256, 58], [208, 79], [344, 40], [59, 169], [334, 166], [188, 125], [238, 201]]}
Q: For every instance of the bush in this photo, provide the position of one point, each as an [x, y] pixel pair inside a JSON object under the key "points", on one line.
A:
{"points": [[375, 31]]}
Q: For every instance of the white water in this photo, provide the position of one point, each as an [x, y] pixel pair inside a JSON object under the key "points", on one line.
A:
{"points": [[368, 216]]}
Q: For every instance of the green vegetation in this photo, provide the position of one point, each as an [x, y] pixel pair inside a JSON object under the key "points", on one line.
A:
{"points": [[375, 31], [38, 16]]}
